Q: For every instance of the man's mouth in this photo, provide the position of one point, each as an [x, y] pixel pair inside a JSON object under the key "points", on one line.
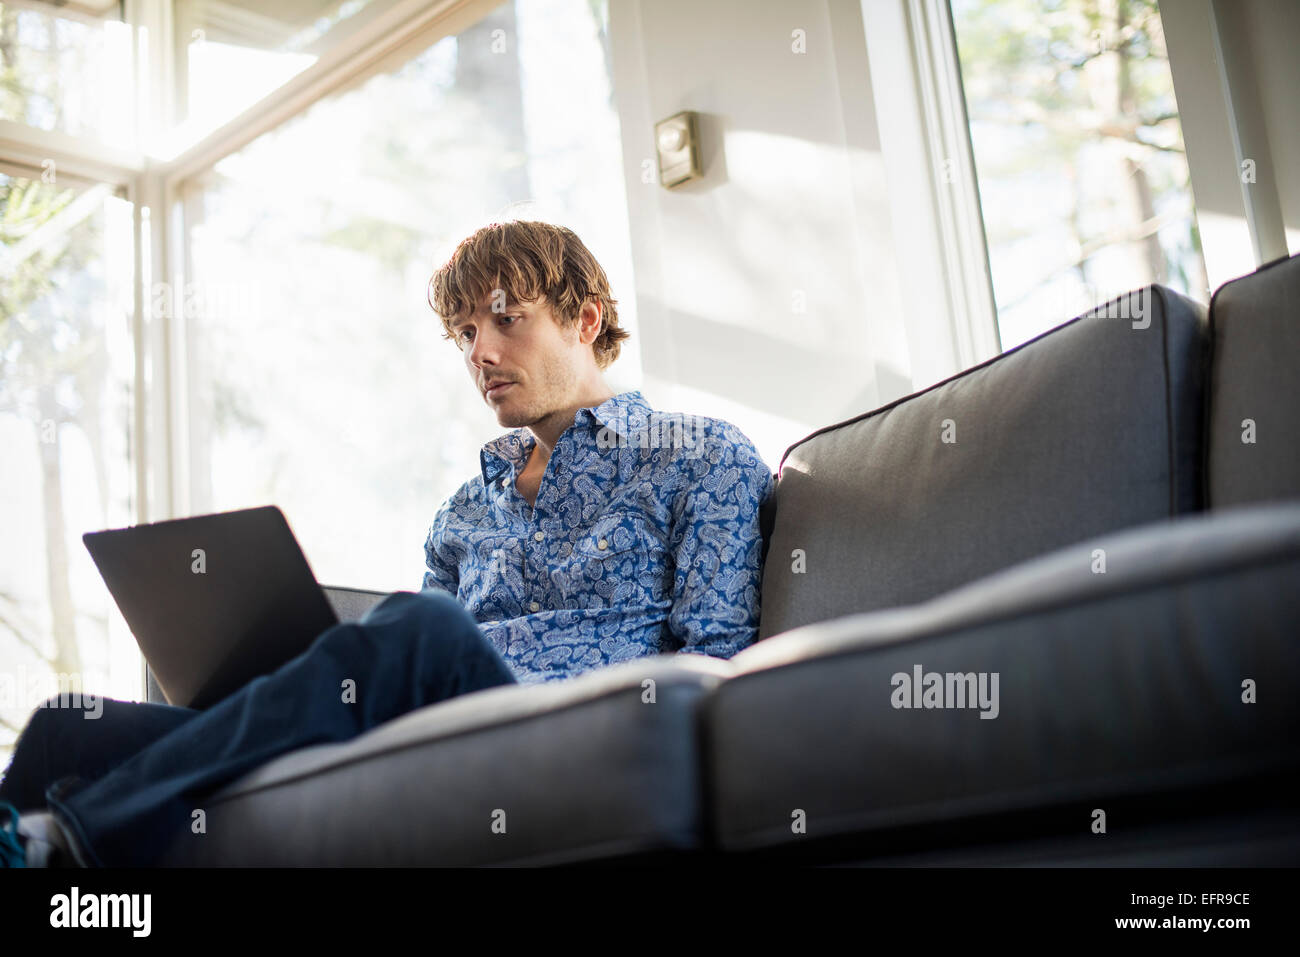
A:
{"points": [[497, 389]]}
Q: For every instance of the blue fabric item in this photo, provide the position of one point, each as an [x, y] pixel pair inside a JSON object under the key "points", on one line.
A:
{"points": [[63, 742], [408, 651], [644, 540], [12, 852]]}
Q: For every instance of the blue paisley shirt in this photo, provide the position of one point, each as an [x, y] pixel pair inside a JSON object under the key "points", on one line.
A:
{"points": [[644, 540]]}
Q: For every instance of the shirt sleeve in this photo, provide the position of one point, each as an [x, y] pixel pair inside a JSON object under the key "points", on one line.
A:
{"points": [[440, 570], [717, 545]]}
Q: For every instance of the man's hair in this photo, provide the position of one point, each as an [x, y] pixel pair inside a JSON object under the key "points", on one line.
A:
{"points": [[527, 260]]}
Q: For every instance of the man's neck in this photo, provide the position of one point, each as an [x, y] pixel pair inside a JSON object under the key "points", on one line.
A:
{"points": [[547, 431]]}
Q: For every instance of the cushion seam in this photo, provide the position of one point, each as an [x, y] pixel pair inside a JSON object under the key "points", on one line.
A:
{"points": [[1169, 411]]}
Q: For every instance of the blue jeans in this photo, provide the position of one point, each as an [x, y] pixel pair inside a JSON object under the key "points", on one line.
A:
{"points": [[125, 784]]}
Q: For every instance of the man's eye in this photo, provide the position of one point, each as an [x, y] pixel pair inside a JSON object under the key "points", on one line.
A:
{"points": [[464, 336]]}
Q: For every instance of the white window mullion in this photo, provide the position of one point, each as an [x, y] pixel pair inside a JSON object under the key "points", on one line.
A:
{"points": [[139, 388], [80, 157], [395, 33], [181, 392], [1240, 218], [951, 320], [961, 223]]}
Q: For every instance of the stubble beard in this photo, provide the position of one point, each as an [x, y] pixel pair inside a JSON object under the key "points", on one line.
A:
{"points": [[546, 394]]}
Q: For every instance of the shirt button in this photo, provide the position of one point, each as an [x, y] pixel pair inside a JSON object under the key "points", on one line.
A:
{"points": [[538, 536], [602, 544], [533, 606]]}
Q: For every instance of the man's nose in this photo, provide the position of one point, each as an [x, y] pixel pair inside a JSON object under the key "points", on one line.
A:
{"points": [[483, 347]]}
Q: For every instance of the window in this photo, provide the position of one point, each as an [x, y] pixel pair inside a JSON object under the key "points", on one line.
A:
{"points": [[230, 55], [1079, 157], [66, 412], [319, 378], [68, 71], [193, 324]]}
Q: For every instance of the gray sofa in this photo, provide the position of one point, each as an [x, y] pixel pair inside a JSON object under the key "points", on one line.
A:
{"points": [[1078, 518]]}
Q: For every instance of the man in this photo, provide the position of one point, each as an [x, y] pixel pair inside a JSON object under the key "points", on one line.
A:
{"points": [[597, 531]]}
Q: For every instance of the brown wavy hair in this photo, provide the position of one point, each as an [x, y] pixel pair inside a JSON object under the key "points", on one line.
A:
{"points": [[527, 260]]}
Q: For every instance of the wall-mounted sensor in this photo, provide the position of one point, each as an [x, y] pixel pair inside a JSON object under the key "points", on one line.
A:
{"points": [[677, 141]]}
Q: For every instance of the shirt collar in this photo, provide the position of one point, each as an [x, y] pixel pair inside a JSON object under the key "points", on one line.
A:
{"points": [[623, 414]]}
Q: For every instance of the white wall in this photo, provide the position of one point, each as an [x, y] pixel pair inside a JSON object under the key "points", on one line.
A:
{"points": [[793, 211]]}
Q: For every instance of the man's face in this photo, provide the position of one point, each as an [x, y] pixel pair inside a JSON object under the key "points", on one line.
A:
{"points": [[524, 346]]}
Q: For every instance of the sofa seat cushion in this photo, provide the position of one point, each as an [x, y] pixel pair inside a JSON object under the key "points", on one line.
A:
{"points": [[1092, 427], [520, 774], [1110, 683]]}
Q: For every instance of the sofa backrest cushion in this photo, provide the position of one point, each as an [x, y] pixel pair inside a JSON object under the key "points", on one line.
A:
{"points": [[1093, 426], [1253, 441], [351, 604]]}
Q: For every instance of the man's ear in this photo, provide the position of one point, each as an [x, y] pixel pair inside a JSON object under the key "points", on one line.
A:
{"points": [[589, 318]]}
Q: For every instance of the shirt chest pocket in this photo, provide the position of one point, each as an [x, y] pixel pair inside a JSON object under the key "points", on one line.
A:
{"points": [[620, 559]]}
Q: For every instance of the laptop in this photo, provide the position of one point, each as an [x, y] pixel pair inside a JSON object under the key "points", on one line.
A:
{"points": [[214, 601]]}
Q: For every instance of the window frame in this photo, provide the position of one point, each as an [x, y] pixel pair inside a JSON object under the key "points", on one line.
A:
{"points": [[158, 181], [951, 318], [1218, 110]]}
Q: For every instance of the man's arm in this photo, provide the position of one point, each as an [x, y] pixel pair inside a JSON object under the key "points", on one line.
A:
{"points": [[718, 547], [441, 572]]}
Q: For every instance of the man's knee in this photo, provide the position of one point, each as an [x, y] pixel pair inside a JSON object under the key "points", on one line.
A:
{"points": [[70, 706], [61, 714], [434, 615], [406, 621], [400, 604], [437, 601], [432, 629]]}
